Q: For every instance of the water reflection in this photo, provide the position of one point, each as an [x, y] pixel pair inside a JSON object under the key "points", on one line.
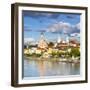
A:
{"points": [[37, 68]]}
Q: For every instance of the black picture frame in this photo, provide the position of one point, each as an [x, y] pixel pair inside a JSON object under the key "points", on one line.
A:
{"points": [[15, 40]]}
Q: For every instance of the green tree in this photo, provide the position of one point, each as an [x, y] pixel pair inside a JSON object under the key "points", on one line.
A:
{"points": [[75, 52], [51, 44]]}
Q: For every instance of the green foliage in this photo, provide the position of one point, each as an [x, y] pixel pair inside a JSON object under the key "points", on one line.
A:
{"points": [[75, 52], [54, 54], [33, 55], [58, 54]]}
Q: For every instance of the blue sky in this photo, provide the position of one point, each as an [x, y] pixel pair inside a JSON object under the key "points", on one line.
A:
{"points": [[51, 24]]}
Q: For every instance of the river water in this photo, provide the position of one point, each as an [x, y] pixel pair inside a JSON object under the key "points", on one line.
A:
{"points": [[37, 68]]}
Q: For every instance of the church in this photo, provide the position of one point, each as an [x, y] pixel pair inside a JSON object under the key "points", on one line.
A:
{"points": [[42, 44]]}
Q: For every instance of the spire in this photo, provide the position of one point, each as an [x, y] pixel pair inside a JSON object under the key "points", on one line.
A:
{"points": [[59, 39], [42, 35], [67, 39], [42, 42]]}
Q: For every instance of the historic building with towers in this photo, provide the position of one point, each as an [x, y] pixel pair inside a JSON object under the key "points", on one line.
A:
{"points": [[42, 44]]}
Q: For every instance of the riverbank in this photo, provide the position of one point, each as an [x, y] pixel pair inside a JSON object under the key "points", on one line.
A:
{"points": [[67, 60]]}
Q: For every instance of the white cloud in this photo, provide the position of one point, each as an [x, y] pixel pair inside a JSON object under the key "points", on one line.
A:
{"points": [[75, 35], [57, 27], [64, 27], [78, 26], [26, 40]]}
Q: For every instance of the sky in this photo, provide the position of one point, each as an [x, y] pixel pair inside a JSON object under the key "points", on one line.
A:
{"points": [[51, 24]]}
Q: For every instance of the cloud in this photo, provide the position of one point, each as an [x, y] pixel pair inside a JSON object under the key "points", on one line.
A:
{"points": [[64, 27], [78, 26], [27, 40], [75, 35], [59, 27]]}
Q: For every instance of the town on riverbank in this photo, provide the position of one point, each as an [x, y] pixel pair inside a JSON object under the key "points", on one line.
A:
{"points": [[67, 50]]}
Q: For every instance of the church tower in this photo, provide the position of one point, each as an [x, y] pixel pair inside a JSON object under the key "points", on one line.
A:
{"points": [[42, 44]]}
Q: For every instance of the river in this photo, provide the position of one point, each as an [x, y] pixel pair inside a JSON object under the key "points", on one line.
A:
{"points": [[37, 68]]}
